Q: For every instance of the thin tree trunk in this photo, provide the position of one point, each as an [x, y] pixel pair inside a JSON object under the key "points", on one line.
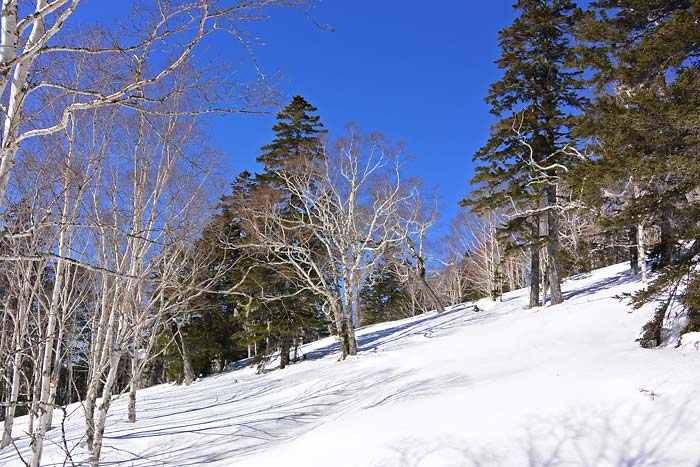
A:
{"points": [[102, 410], [20, 333], [426, 287], [634, 250], [56, 374], [535, 263], [641, 247], [285, 347], [553, 248], [133, 385], [12, 401], [187, 370]]}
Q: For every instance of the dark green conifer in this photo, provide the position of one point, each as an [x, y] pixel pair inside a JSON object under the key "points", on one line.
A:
{"points": [[522, 163], [644, 58], [292, 316], [297, 139]]}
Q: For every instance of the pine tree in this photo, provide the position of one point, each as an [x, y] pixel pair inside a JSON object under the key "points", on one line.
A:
{"points": [[206, 337], [523, 161]]}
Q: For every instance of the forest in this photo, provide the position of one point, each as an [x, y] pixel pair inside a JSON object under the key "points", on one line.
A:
{"points": [[123, 267]]}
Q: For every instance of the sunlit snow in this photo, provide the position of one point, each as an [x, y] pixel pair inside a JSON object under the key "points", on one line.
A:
{"points": [[506, 386]]}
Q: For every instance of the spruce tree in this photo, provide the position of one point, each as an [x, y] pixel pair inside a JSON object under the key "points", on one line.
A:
{"points": [[522, 163], [297, 142], [297, 139]]}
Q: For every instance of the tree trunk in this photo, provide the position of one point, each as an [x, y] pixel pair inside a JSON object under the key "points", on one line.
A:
{"points": [[12, 401], [285, 347], [56, 374], [101, 419], [535, 263], [133, 385], [351, 339], [426, 287], [634, 250], [187, 370], [346, 333], [553, 248], [19, 332], [641, 247]]}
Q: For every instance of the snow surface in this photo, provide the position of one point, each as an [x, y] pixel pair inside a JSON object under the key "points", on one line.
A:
{"points": [[507, 386]]}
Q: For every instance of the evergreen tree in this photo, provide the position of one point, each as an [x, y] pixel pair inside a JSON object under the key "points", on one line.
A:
{"points": [[644, 58], [383, 297], [206, 336], [290, 316], [522, 163], [297, 139]]}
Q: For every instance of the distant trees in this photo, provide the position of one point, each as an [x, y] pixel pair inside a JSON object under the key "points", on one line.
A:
{"points": [[326, 234], [383, 296], [347, 202], [296, 147]]}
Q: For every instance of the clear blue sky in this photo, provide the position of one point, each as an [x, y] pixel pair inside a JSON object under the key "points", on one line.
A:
{"points": [[416, 71]]}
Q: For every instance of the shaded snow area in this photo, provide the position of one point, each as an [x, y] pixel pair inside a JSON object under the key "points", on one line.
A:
{"points": [[506, 386]]}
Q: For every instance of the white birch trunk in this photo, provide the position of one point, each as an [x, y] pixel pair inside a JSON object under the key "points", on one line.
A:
{"points": [[642, 254]]}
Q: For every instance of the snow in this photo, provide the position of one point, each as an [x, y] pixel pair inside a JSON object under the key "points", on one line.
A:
{"points": [[506, 386], [690, 340]]}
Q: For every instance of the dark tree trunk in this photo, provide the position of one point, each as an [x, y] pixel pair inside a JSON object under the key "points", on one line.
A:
{"points": [[352, 340], [553, 250], [634, 251], [346, 334], [285, 347], [420, 275], [348, 343], [535, 263]]}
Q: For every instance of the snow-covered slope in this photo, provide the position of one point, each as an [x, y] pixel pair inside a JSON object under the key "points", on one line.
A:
{"points": [[564, 385]]}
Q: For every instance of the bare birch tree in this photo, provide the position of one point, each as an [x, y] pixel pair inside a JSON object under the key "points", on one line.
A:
{"points": [[347, 202], [159, 38]]}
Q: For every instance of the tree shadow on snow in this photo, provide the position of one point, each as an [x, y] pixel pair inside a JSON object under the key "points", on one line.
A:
{"points": [[429, 325], [241, 425], [619, 279], [621, 437]]}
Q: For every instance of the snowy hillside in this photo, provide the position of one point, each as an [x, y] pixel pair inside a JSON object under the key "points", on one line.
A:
{"points": [[565, 385]]}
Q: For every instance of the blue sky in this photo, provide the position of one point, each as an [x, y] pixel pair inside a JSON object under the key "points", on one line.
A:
{"points": [[412, 70]]}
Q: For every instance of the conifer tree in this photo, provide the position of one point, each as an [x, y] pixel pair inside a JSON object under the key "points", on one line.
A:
{"points": [[297, 136], [644, 58], [207, 337], [297, 141], [526, 155]]}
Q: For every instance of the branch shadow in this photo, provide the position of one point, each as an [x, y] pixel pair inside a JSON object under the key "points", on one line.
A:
{"points": [[429, 325], [621, 437], [619, 279], [194, 434]]}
